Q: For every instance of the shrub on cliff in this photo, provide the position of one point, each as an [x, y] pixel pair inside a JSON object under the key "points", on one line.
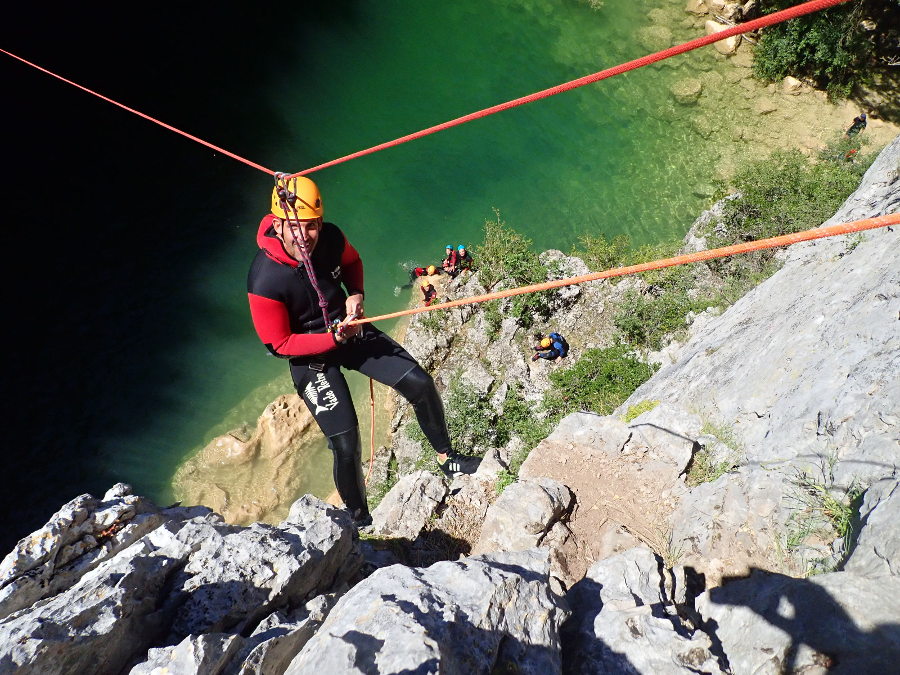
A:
{"points": [[836, 47], [599, 381], [507, 255]]}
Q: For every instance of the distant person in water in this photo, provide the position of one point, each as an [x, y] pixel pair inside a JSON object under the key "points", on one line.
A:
{"points": [[859, 123], [305, 286]]}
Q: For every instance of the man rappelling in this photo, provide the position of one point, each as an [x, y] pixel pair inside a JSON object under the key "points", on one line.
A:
{"points": [[305, 286]]}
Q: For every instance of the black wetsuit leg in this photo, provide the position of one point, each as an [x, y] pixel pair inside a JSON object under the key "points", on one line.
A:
{"points": [[324, 390], [418, 388], [384, 360], [348, 473]]}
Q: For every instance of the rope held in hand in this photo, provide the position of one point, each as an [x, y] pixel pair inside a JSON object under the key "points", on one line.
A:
{"points": [[737, 249]]}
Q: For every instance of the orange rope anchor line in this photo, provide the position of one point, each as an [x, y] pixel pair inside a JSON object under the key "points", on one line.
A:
{"points": [[749, 26], [761, 244]]}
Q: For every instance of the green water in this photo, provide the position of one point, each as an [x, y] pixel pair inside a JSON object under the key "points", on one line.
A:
{"points": [[616, 157]]}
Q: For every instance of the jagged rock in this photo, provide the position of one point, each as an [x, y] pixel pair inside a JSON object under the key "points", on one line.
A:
{"points": [[728, 45], [278, 638], [595, 433], [195, 655], [791, 85], [697, 7], [97, 626], [238, 575], [838, 622], [79, 536], [406, 508], [726, 527], [523, 515], [877, 551], [478, 615], [623, 622], [668, 435], [801, 371]]}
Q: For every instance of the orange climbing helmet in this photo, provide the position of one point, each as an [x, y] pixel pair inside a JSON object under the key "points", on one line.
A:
{"points": [[425, 283], [546, 342], [431, 269], [297, 198]]}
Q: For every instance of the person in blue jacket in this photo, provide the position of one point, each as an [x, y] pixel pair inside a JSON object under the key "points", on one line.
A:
{"points": [[552, 347]]}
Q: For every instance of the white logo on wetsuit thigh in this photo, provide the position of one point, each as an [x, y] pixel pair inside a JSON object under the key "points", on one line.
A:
{"points": [[311, 392]]}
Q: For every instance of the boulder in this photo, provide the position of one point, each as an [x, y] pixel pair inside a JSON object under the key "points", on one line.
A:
{"points": [[492, 613], [624, 622], [838, 622], [727, 46], [407, 507]]}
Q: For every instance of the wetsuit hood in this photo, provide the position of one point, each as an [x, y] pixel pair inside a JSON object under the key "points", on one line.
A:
{"points": [[269, 242]]}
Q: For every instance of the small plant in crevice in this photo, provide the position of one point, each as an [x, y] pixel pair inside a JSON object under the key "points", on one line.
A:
{"points": [[823, 514], [638, 409]]}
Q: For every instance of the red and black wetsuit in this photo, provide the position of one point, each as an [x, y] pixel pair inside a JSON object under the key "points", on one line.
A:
{"points": [[284, 306]]}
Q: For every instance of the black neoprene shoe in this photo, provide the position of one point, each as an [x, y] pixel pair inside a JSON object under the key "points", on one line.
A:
{"points": [[457, 464], [362, 519]]}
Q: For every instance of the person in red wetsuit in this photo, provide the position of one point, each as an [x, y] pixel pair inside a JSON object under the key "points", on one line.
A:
{"points": [[304, 286], [429, 292]]}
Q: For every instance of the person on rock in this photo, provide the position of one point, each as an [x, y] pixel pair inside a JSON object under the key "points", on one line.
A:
{"points": [[305, 286], [429, 291], [552, 347], [464, 259], [417, 272], [859, 123], [450, 264]]}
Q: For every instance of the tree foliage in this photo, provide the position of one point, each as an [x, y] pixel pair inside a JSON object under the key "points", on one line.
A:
{"points": [[834, 47]]}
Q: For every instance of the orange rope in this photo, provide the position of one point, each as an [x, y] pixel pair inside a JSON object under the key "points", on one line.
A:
{"points": [[372, 432], [773, 242]]}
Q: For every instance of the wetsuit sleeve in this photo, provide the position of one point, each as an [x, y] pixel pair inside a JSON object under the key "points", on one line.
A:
{"points": [[270, 319], [352, 269]]}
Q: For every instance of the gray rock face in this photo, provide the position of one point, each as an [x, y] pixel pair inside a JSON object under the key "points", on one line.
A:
{"points": [[478, 615], [523, 515], [238, 575], [839, 622], [98, 624], [624, 622], [406, 508], [805, 365], [192, 580], [877, 551]]}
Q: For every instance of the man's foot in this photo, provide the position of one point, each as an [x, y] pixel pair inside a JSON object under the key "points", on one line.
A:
{"points": [[362, 519], [535, 357], [457, 464]]}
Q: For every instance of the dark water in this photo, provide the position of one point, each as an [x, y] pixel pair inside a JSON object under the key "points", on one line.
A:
{"points": [[127, 245]]}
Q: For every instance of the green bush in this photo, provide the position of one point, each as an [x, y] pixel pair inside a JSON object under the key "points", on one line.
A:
{"points": [[788, 192], [600, 253], [599, 381], [506, 254], [828, 46]]}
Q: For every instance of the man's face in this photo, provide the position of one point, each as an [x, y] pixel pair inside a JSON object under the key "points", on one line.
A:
{"points": [[295, 234]]}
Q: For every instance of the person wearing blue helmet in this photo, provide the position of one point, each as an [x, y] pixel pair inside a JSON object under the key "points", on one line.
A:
{"points": [[463, 259], [450, 264]]}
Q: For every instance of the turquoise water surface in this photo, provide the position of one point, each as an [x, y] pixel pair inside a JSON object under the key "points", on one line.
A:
{"points": [[616, 157]]}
